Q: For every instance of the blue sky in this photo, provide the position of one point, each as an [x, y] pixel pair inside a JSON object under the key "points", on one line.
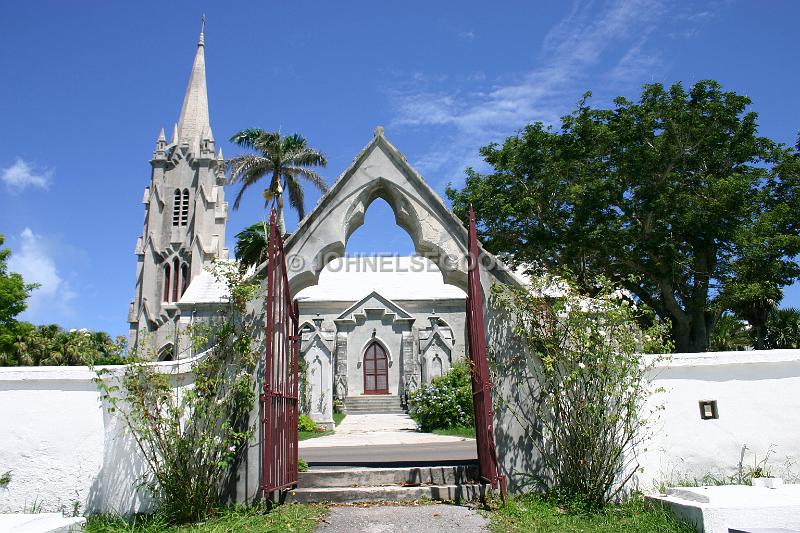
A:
{"points": [[87, 87]]}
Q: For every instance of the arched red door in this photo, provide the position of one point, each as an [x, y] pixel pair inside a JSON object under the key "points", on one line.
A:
{"points": [[376, 369]]}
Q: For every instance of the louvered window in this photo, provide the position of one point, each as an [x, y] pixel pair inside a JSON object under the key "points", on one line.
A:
{"points": [[176, 208], [185, 208]]}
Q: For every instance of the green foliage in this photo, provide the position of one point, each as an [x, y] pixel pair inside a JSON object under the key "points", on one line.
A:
{"points": [[296, 518], [729, 333], [675, 197], [51, 345], [458, 431], [304, 423], [445, 402], [251, 244], [580, 388], [302, 465], [533, 514], [13, 290], [13, 295], [281, 159], [5, 478], [190, 437], [782, 329]]}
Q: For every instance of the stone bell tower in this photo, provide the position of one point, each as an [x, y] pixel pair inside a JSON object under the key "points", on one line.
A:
{"points": [[184, 220]]}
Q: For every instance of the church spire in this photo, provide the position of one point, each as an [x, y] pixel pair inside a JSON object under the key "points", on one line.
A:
{"points": [[194, 121]]}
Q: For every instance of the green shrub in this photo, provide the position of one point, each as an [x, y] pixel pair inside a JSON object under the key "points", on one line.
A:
{"points": [[304, 423], [446, 402]]}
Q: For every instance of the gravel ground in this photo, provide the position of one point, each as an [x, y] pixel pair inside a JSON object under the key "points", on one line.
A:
{"points": [[403, 519]]}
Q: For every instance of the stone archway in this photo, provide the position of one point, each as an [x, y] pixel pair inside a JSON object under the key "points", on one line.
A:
{"points": [[379, 171]]}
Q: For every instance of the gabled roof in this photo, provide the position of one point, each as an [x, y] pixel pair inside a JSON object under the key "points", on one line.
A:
{"points": [[396, 278], [205, 289], [374, 301]]}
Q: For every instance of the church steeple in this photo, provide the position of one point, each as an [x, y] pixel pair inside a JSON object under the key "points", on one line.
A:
{"points": [[185, 218], [194, 121]]}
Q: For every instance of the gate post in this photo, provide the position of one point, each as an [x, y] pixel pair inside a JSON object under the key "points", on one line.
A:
{"points": [[279, 399], [488, 467]]}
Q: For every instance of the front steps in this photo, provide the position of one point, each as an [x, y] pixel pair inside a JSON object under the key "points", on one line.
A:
{"points": [[346, 485], [370, 405]]}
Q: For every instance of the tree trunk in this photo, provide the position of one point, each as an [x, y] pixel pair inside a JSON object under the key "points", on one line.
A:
{"points": [[691, 336], [281, 220]]}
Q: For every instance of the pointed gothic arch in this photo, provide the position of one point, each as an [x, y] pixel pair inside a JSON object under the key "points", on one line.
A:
{"points": [[379, 171]]}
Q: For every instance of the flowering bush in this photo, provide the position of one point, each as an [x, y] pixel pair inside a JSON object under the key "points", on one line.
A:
{"points": [[304, 423], [581, 384], [445, 402]]}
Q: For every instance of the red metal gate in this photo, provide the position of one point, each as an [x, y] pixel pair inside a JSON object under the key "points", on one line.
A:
{"points": [[481, 390], [279, 399]]}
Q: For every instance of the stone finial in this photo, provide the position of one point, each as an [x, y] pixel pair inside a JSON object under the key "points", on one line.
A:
{"points": [[379, 131], [219, 155], [161, 137], [174, 135], [202, 40]]}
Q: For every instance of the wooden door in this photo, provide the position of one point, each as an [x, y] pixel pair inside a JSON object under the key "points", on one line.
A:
{"points": [[376, 369]]}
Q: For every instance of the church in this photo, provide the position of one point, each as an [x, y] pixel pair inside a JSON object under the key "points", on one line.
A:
{"points": [[373, 329]]}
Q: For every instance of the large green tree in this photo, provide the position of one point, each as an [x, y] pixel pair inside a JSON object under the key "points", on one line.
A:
{"points": [[14, 293], [283, 161], [675, 198]]}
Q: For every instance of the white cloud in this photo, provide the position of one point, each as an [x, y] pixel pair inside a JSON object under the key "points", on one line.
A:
{"points": [[585, 50], [36, 264], [22, 174]]}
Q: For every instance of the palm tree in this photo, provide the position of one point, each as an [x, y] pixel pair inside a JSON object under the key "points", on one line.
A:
{"points": [[284, 160], [783, 329], [251, 244]]}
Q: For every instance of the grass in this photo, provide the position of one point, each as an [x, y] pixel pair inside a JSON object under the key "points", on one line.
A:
{"points": [[296, 518], [457, 432], [305, 435], [531, 514]]}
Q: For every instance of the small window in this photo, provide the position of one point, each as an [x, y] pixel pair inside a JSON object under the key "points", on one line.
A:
{"points": [[166, 283], [176, 208], [185, 208], [175, 279]]}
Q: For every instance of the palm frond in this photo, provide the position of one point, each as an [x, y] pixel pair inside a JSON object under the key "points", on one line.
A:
{"points": [[247, 138], [309, 175], [296, 195]]}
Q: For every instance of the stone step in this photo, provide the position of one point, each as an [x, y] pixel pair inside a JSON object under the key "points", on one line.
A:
{"points": [[391, 493], [376, 477]]}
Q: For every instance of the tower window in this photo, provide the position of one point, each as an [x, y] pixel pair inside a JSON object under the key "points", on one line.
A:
{"points": [[166, 283], [175, 279], [184, 277], [176, 207], [185, 208]]}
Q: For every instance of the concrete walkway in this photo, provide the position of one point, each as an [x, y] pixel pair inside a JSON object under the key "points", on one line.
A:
{"points": [[403, 519], [377, 429]]}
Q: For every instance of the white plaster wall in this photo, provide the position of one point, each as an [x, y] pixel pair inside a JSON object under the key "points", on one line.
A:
{"points": [[63, 448], [758, 398], [320, 384]]}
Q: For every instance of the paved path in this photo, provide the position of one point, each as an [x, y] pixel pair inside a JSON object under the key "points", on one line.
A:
{"points": [[440, 453], [378, 429], [403, 519]]}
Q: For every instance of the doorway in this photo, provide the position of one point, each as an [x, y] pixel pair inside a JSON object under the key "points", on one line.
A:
{"points": [[376, 369]]}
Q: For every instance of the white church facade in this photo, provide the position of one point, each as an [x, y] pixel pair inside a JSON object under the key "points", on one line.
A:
{"points": [[376, 328]]}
